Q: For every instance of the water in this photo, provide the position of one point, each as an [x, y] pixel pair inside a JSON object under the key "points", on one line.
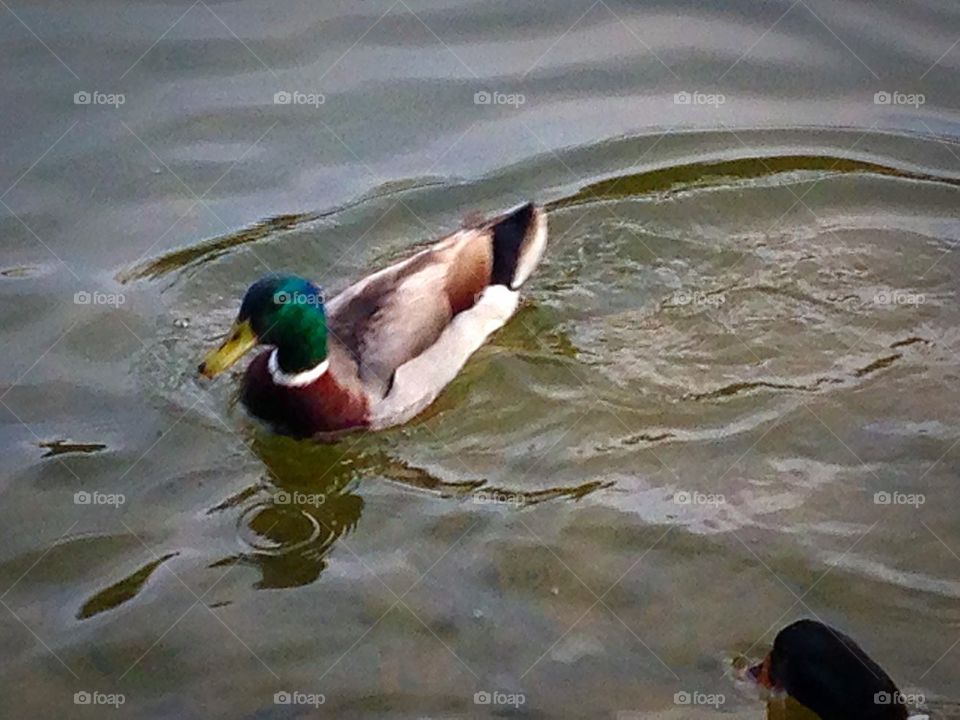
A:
{"points": [[727, 401]]}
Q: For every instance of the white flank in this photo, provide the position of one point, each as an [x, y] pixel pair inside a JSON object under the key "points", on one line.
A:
{"points": [[532, 251], [294, 379], [417, 382]]}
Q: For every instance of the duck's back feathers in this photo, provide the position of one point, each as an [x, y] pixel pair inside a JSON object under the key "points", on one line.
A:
{"points": [[399, 314]]}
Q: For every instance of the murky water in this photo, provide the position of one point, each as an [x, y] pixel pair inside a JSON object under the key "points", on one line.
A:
{"points": [[728, 401]]}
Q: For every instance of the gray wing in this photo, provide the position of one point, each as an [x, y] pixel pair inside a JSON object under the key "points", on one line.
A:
{"points": [[393, 316]]}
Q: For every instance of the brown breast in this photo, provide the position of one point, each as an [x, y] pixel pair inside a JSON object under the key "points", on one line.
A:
{"points": [[322, 406]]}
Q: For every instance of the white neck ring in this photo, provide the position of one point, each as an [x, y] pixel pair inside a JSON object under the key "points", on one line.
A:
{"points": [[295, 379]]}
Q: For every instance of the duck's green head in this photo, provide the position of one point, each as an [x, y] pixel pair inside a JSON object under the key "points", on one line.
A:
{"points": [[281, 310]]}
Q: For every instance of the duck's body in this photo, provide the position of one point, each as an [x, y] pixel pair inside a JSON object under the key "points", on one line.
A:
{"points": [[391, 342], [826, 671]]}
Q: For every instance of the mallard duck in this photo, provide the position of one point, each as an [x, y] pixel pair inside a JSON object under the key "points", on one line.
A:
{"points": [[381, 351], [827, 672]]}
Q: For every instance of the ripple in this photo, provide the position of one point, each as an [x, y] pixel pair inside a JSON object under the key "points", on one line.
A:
{"points": [[271, 530]]}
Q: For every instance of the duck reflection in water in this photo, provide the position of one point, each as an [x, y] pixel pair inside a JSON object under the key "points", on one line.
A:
{"points": [[308, 500], [292, 520]]}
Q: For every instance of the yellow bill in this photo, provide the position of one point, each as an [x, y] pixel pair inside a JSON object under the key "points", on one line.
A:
{"points": [[240, 340]]}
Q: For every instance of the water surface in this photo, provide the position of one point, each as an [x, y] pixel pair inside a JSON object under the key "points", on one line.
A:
{"points": [[728, 400]]}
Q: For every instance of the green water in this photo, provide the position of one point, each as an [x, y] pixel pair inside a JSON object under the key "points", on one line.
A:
{"points": [[750, 305]]}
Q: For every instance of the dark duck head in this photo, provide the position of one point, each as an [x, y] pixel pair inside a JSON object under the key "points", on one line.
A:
{"points": [[826, 671], [285, 311]]}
